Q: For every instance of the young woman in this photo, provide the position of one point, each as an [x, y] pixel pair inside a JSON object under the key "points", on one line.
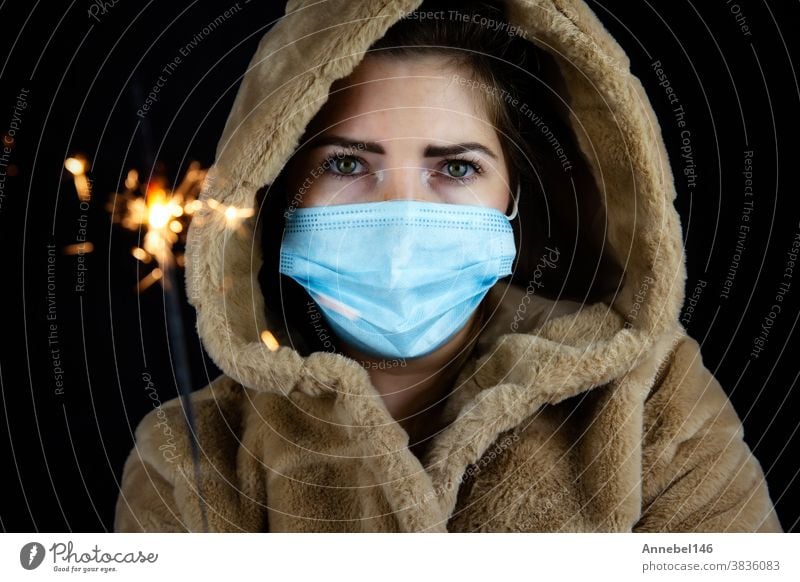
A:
{"points": [[456, 308]]}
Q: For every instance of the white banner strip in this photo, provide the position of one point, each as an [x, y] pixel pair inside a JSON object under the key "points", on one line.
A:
{"points": [[388, 557]]}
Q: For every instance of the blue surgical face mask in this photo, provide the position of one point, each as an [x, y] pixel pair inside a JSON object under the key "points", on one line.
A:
{"points": [[399, 278]]}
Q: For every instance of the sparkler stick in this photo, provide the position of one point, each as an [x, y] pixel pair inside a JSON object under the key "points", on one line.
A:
{"points": [[162, 231], [163, 215], [181, 368]]}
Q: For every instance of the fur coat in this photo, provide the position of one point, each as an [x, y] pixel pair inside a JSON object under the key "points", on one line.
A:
{"points": [[590, 418]]}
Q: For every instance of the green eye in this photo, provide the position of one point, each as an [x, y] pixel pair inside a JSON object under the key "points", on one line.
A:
{"points": [[457, 168], [461, 171], [346, 165]]}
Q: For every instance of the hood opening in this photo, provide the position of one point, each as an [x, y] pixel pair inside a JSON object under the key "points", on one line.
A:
{"points": [[562, 207], [559, 209], [625, 194]]}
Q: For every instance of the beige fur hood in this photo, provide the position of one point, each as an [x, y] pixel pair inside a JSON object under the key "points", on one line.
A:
{"points": [[596, 419]]}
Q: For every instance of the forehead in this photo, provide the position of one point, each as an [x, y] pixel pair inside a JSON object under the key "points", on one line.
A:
{"points": [[419, 96]]}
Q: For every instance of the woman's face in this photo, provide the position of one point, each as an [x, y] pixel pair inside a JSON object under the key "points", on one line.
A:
{"points": [[401, 129]]}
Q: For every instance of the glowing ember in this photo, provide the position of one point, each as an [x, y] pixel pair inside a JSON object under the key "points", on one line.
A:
{"points": [[76, 165], [141, 254], [269, 340], [82, 248]]}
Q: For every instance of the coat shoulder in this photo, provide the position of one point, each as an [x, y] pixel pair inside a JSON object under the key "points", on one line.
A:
{"points": [[164, 427], [685, 396], [698, 473], [154, 494]]}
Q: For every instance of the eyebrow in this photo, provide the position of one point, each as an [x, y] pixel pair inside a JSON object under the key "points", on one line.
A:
{"points": [[431, 151]]}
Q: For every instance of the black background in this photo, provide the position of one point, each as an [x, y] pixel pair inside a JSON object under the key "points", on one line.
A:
{"points": [[63, 453]]}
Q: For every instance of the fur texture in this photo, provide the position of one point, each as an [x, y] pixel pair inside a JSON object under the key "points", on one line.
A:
{"points": [[583, 419]]}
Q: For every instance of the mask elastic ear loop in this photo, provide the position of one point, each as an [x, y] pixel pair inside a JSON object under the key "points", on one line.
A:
{"points": [[516, 206]]}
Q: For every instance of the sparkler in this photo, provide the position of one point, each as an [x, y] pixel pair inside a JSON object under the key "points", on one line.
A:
{"points": [[165, 215]]}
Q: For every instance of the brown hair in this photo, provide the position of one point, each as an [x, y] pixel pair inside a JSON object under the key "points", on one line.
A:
{"points": [[526, 105]]}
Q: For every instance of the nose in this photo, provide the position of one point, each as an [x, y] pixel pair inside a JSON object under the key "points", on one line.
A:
{"points": [[407, 182]]}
